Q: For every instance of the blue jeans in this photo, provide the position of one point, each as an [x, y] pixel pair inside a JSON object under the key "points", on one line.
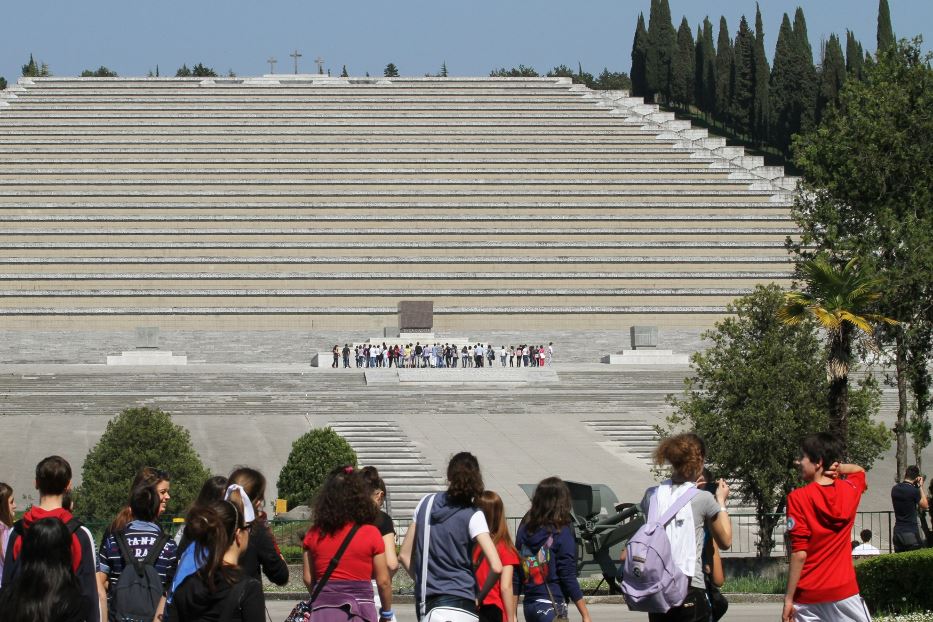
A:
{"points": [[542, 610]]}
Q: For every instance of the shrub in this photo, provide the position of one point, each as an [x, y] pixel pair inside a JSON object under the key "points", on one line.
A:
{"points": [[897, 583], [312, 457], [136, 438]]}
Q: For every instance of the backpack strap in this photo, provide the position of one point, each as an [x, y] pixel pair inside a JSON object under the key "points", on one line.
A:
{"points": [[73, 525], [128, 558], [677, 506], [422, 604], [333, 562], [156, 549]]}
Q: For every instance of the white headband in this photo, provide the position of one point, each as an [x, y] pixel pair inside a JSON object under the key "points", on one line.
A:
{"points": [[249, 513]]}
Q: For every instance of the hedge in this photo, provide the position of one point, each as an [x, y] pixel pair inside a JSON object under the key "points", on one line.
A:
{"points": [[897, 582]]}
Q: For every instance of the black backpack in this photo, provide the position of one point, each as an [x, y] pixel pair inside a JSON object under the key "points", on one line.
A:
{"points": [[139, 589], [18, 531]]}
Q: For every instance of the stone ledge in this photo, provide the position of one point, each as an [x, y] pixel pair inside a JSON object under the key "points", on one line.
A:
{"points": [[147, 357], [649, 357]]}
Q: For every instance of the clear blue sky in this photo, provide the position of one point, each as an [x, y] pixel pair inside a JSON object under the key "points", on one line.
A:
{"points": [[473, 37]]}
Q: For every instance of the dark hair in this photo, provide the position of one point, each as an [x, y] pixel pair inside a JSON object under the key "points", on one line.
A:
{"points": [[6, 492], [53, 474], [150, 476], [550, 506], [374, 481], [213, 527], [46, 589], [144, 501], [912, 472], [252, 481], [68, 501], [865, 535], [212, 490], [822, 448], [343, 498], [465, 481], [685, 453]]}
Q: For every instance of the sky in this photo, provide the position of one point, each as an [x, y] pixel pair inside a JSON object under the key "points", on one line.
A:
{"points": [[132, 37]]}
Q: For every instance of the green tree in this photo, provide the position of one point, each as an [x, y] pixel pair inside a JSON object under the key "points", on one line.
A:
{"points": [[808, 84], [724, 62], [100, 72], [443, 71], [706, 69], [755, 393], [639, 59], [136, 438], [743, 80], [35, 70], [391, 71], [183, 72], [762, 80], [343, 73], [885, 30], [578, 77], [683, 69], [855, 57], [515, 72], [313, 456], [793, 83], [613, 81], [867, 188], [843, 301], [201, 71], [832, 76], [662, 44], [2, 83]]}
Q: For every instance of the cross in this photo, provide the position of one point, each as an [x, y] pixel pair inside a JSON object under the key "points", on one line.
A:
{"points": [[320, 64], [272, 61], [296, 56]]}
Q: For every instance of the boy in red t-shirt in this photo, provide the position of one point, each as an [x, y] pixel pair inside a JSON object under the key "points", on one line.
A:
{"points": [[821, 584]]}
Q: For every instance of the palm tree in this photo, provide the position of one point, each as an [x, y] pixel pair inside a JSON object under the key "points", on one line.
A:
{"points": [[841, 300]]}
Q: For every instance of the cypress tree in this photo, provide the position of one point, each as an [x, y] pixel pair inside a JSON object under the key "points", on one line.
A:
{"points": [[808, 85], [723, 72], [344, 74], [782, 84], [855, 57], [832, 76], [885, 31], [698, 70], [762, 81], [662, 44], [743, 79], [709, 68], [683, 68], [639, 54]]}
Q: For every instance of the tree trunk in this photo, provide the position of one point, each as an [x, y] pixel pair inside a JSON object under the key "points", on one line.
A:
{"points": [[766, 524], [840, 356], [900, 426]]}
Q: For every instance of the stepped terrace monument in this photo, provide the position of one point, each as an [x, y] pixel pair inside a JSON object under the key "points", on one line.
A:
{"points": [[215, 208]]}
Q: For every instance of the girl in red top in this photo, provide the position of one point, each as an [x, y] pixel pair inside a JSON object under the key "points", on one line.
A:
{"points": [[342, 502], [500, 600]]}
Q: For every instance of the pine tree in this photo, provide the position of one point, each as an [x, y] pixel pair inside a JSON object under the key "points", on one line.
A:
{"points": [[885, 30], [809, 84], [391, 71], [662, 44], [855, 57], [724, 60], [30, 69], [743, 79], [683, 68], [639, 56], [832, 76], [709, 68], [443, 72], [344, 74], [782, 84], [762, 82]]}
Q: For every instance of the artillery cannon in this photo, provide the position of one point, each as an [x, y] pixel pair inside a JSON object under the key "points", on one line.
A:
{"points": [[602, 527]]}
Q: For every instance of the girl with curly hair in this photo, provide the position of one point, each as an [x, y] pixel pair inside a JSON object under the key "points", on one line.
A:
{"points": [[344, 512], [437, 551]]}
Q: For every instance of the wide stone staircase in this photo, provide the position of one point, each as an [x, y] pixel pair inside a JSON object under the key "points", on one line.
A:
{"points": [[298, 201]]}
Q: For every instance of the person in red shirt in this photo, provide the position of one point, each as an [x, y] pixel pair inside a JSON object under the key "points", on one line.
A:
{"points": [[342, 503], [821, 585], [499, 602]]}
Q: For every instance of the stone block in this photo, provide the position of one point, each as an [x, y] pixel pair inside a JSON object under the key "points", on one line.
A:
{"points": [[147, 337], [416, 316], [644, 337], [649, 357], [147, 357]]}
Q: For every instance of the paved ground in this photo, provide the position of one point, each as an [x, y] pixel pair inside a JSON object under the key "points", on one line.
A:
{"points": [[600, 613]]}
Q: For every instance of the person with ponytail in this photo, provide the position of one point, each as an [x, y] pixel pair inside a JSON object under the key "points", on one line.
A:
{"points": [[344, 550], [438, 547], [220, 590], [377, 490], [46, 589], [499, 605], [262, 555]]}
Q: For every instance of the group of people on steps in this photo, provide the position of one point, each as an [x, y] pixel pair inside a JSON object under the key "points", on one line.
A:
{"points": [[435, 355], [458, 549]]}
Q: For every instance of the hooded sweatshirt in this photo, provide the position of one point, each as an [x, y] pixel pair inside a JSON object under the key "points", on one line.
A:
{"points": [[450, 564], [819, 521], [561, 571]]}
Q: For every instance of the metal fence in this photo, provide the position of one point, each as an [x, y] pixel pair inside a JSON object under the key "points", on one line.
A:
{"points": [[289, 533]]}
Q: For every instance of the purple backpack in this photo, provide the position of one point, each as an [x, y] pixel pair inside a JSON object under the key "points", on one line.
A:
{"points": [[651, 581]]}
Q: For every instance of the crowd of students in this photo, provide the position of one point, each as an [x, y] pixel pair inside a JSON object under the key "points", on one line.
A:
{"points": [[436, 355], [458, 548]]}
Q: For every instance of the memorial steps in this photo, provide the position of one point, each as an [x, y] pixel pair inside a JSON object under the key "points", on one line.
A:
{"points": [[268, 199]]}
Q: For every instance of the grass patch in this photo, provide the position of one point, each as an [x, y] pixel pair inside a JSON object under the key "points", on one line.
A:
{"points": [[926, 616], [754, 584]]}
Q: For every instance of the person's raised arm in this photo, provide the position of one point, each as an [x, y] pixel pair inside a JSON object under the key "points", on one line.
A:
{"points": [[924, 503], [720, 526]]}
